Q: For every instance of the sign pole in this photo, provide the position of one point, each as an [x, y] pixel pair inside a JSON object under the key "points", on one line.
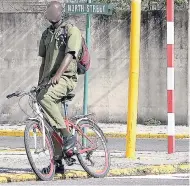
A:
{"points": [[88, 42], [133, 78], [88, 8]]}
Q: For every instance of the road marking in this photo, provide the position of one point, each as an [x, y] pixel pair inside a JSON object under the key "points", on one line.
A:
{"points": [[167, 176]]}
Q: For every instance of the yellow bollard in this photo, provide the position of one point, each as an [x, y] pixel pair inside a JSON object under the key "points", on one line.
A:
{"points": [[133, 78]]}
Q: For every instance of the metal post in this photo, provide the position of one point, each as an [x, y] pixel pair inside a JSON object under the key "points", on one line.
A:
{"points": [[133, 77], [88, 42], [170, 76]]}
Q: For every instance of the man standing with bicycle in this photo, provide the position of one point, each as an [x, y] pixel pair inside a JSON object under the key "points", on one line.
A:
{"points": [[59, 53]]}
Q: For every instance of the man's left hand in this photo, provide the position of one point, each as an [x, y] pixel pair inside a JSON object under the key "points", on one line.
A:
{"points": [[55, 79]]}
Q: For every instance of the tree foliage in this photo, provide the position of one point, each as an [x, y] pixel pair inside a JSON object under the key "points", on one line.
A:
{"points": [[125, 4], [121, 7]]}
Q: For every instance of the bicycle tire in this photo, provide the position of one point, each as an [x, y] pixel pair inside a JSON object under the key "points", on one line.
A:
{"points": [[103, 139], [39, 174]]}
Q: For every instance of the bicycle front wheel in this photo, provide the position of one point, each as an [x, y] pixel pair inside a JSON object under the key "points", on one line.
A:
{"points": [[40, 156], [93, 153]]}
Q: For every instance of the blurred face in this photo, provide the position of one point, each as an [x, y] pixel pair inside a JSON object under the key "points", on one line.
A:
{"points": [[54, 13]]}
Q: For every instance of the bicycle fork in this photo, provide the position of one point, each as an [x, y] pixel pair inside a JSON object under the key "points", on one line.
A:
{"points": [[43, 126]]}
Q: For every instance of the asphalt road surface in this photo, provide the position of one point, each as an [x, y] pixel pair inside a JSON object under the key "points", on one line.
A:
{"points": [[175, 179], [182, 145]]}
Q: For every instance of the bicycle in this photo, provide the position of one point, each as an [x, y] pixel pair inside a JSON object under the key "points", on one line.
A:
{"points": [[85, 129]]}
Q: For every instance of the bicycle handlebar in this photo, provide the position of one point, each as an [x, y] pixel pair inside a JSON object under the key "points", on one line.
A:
{"points": [[33, 89], [17, 93]]}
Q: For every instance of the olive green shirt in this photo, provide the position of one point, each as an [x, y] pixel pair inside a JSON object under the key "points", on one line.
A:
{"points": [[54, 49]]}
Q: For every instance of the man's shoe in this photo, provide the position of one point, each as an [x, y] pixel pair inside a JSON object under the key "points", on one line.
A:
{"points": [[69, 142], [59, 168]]}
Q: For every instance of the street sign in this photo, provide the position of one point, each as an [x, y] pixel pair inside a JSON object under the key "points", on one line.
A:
{"points": [[90, 8], [80, 1], [77, 1]]}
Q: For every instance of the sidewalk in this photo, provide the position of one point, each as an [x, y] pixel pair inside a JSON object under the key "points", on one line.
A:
{"points": [[144, 131], [14, 164], [144, 163], [112, 130]]}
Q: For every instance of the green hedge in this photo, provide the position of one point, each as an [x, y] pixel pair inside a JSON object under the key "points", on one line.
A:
{"points": [[122, 7], [125, 4]]}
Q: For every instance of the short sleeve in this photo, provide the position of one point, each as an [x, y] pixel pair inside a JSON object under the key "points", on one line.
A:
{"points": [[74, 43], [42, 48]]}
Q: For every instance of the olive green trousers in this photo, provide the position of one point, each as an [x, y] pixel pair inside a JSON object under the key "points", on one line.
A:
{"points": [[50, 100]]}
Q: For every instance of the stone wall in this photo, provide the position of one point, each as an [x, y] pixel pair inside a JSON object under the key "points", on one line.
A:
{"points": [[108, 76]]}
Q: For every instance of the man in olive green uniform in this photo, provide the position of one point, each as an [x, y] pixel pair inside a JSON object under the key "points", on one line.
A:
{"points": [[59, 67]]}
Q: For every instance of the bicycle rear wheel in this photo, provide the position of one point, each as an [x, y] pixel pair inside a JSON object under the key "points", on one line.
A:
{"points": [[93, 154], [40, 158]]}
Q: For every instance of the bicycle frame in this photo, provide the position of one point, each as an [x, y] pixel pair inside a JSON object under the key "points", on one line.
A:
{"points": [[68, 123], [75, 128], [51, 136], [41, 120]]}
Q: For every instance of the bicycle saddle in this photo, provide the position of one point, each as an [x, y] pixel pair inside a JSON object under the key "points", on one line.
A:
{"points": [[69, 97]]}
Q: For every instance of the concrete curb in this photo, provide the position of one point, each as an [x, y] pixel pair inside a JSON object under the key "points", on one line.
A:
{"points": [[20, 133], [147, 135], [138, 171]]}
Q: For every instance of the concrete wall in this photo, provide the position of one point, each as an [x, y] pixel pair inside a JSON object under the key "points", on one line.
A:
{"points": [[108, 80]]}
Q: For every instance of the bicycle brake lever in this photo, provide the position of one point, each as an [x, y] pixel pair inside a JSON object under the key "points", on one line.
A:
{"points": [[17, 93]]}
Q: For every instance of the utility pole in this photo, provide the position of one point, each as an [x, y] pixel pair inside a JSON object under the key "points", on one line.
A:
{"points": [[133, 78]]}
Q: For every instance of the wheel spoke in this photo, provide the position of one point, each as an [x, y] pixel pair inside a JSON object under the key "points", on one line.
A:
{"points": [[40, 158], [95, 157]]}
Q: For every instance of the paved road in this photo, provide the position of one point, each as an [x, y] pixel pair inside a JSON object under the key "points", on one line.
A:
{"points": [[178, 179], [160, 145]]}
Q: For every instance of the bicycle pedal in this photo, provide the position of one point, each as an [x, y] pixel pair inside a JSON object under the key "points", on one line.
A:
{"points": [[73, 160], [70, 161]]}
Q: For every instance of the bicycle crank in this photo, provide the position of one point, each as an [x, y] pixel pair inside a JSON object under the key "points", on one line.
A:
{"points": [[88, 157], [70, 161]]}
